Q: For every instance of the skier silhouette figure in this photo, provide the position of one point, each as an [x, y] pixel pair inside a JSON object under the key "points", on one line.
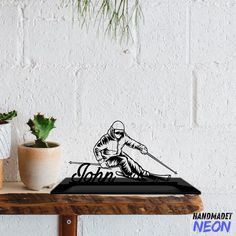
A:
{"points": [[108, 151]]}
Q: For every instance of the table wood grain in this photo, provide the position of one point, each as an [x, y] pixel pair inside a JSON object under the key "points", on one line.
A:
{"points": [[47, 204], [15, 199]]}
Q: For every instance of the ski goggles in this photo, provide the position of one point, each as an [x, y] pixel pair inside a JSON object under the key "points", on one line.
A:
{"points": [[119, 132]]}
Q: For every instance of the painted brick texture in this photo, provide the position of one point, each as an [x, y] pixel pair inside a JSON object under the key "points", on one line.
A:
{"points": [[174, 88]]}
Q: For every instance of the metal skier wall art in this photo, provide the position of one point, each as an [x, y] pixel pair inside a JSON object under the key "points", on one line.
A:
{"points": [[109, 152], [129, 176]]}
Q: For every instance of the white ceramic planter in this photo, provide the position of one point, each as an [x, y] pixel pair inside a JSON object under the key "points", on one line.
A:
{"points": [[39, 167], [5, 140]]}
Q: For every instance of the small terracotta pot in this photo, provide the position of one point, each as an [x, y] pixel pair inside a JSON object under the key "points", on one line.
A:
{"points": [[39, 167]]}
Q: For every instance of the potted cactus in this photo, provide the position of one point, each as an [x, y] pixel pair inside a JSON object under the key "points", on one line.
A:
{"points": [[5, 139], [39, 160]]}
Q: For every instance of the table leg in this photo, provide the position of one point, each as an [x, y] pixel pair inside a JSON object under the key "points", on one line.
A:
{"points": [[68, 225]]}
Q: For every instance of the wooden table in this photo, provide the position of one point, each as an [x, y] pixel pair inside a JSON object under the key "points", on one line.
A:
{"points": [[15, 199]]}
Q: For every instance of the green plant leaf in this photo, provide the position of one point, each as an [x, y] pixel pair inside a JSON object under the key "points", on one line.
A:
{"points": [[7, 116], [118, 16], [41, 126]]}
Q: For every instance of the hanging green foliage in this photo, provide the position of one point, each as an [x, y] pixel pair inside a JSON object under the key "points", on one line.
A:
{"points": [[114, 16]]}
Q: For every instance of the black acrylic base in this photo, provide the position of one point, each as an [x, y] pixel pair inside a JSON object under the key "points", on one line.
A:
{"points": [[126, 186]]}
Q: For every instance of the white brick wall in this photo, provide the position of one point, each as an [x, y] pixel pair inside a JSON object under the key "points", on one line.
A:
{"points": [[177, 94]]}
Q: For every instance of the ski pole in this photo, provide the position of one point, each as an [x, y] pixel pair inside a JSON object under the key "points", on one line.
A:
{"points": [[80, 163], [154, 158]]}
